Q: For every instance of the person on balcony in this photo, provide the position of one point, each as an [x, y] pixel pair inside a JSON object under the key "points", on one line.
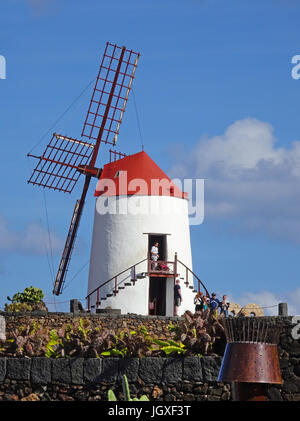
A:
{"points": [[154, 255]]}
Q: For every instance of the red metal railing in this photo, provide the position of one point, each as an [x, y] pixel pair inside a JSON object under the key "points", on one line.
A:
{"points": [[153, 270], [200, 283], [116, 284], [161, 267], [114, 155]]}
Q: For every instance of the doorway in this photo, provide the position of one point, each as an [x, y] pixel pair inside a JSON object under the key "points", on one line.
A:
{"points": [[161, 239], [157, 296]]}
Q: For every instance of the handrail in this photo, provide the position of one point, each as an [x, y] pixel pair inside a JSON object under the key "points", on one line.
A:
{"points": [[175, 262], [106, 282], [154, 266], [199, 280]]}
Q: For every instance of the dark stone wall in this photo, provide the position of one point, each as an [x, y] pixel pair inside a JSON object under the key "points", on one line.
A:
{"points": [[190, 378], [170, 379], [289, 357]]}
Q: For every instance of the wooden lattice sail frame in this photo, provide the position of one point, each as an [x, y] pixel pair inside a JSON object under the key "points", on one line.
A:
{"points": [[66, 158]]}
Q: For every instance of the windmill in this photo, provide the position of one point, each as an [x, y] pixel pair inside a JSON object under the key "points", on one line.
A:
{"points": [[65, 158]]}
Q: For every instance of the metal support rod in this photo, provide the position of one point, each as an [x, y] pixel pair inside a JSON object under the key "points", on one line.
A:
{"points": [[149, 264]]}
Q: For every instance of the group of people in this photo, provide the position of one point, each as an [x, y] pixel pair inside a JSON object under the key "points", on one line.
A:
{"points": [[202, 302]]}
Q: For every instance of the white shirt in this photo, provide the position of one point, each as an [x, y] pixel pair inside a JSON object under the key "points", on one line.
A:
{"points": [[154, 251]]}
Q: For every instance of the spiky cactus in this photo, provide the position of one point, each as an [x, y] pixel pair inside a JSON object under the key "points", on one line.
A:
{"points": [[126, 392]]}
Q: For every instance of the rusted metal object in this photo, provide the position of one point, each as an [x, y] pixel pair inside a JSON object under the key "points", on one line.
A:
{"points": [[250, 361], [249, 391]]}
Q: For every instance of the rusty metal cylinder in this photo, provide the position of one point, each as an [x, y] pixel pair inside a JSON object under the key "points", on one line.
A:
{"points": [[249, 391], [250, 363]]}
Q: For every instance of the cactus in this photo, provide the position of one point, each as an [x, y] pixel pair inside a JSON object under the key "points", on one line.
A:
{"points": [[126, 391], [111, 396], [125, 386]]}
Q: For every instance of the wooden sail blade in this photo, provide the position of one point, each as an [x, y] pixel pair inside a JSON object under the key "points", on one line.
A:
{"points": [[110, 94], [69, 244], [58, 166]]}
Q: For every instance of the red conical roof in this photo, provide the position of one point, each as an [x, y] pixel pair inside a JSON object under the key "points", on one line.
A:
{"points": [[136, 174]]}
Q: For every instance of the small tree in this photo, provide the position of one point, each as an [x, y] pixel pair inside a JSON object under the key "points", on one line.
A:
{"points": [[28, 300], [29, 295]]}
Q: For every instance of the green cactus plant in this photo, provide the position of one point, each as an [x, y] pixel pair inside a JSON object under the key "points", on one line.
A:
{"points": [[126, 392], [111, 396], [126, 389]]}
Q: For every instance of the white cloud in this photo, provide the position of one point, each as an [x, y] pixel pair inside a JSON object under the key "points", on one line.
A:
{"points": [[34, 239], [40, 7], [248, 179]]}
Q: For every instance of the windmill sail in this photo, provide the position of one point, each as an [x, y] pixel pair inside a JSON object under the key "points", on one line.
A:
{"points": [[66, 158], [58, 166], [110, 94], [65, 259]]}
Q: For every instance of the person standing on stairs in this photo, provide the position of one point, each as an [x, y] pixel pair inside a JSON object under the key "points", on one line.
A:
{"points": [[177, 297]]}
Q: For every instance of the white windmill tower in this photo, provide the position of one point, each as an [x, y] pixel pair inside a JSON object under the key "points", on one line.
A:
{"points": [[137, 206]]}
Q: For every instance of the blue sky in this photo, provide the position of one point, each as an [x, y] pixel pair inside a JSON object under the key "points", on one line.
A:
{"points": [[215, 100]]}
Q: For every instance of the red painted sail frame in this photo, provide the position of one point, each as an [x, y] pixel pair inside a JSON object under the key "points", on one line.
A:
{"points": [[110, 73], [57, 168]]}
